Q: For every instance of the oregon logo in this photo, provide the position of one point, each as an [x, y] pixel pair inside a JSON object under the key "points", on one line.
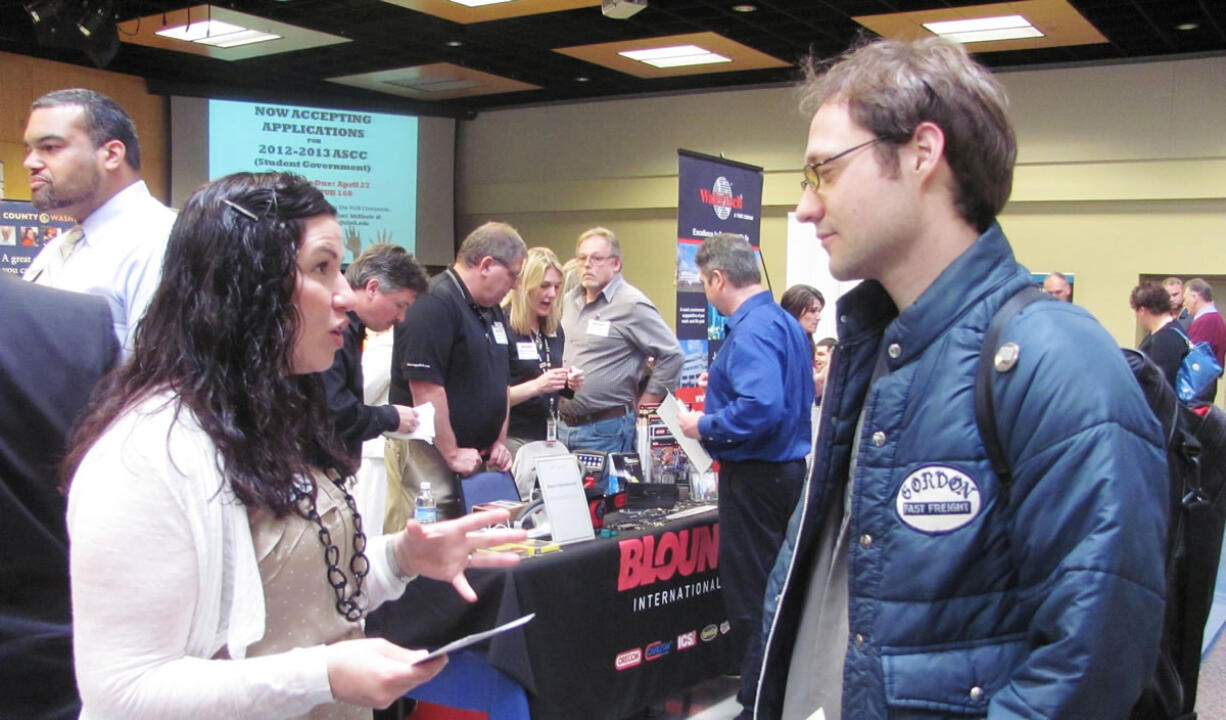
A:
{"points": [[628, 659]]}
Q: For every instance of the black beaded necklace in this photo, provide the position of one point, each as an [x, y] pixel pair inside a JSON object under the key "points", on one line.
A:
{"points": [[352, 605]]}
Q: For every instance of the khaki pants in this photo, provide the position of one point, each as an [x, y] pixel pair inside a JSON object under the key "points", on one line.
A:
{"points": [[409, 462]]}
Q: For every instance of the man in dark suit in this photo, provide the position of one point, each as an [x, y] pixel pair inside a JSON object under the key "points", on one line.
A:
{"points": [[54, 345]]}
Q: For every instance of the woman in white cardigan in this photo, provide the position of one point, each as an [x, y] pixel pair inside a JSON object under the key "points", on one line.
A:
{"points": [[218, 563]]}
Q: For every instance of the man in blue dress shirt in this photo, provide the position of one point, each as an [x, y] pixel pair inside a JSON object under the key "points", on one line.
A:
{"points": [[756, 424]]}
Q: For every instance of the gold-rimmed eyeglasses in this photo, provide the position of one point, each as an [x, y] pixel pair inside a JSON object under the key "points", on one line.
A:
{"points": [[813, 178]]}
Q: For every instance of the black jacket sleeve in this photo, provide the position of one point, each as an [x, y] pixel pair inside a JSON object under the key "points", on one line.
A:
{"points": [[352, 419]]}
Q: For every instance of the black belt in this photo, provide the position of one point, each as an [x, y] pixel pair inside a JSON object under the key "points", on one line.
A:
{"points": [[574, 420]]}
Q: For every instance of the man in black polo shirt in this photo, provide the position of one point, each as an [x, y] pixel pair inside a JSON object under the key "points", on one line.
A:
{"points": [[451, 351]]}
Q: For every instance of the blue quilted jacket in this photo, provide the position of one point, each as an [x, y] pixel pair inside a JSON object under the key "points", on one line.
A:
{"points": [[1047, 604]]}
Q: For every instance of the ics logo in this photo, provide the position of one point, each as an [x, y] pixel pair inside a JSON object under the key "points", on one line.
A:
{"points": [[724, 627], [685, 641], [628, 659], [657, 650], [709, 633]]}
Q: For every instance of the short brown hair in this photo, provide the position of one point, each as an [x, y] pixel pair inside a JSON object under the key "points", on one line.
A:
{"points": [[891, 86], [1151, 296]]}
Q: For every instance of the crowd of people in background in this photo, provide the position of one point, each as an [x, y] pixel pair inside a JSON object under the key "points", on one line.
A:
{"points": [[232, 408]]}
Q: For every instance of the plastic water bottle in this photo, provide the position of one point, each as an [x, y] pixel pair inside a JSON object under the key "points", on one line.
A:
{"points": [[425, 512]]}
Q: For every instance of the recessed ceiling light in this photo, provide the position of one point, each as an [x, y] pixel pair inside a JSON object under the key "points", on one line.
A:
{"points": [[478, 3], [454, 43], [985, 29], [1186, 26], [217, 34], [744, 8], [675, 56], [582, 78], [435, 84]]}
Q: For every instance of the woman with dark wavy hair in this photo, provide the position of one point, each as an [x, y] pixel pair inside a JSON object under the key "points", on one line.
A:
{"points": [[219, 565]]}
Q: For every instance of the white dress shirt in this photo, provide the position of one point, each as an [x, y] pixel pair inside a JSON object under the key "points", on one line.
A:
{"points": [[120, 257]]}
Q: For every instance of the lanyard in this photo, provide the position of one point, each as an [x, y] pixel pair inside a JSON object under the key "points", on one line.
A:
{"points": [[545, 363]]}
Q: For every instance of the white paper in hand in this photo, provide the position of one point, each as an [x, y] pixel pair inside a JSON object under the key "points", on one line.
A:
{"points": [[475, 638], [668, 410], [425, 425]]}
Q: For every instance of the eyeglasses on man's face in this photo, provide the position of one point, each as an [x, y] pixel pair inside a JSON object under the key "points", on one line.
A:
{"points": [[595, 259], [813, 176], [512, 271]]}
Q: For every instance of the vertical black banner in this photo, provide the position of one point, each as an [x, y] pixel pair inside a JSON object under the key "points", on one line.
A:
{"points": [[715, 195]]}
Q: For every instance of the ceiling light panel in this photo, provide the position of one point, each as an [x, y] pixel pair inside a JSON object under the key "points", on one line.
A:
{"points": [[221, 33], [985, 29], [994, 27]]}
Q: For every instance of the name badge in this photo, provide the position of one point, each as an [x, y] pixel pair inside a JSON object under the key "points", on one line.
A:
{"points": [[500, 333], [526, 350], [937, 499], [599, 327]]}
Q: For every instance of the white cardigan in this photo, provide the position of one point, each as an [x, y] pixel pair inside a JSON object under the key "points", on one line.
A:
{"points": [[164, 576]]}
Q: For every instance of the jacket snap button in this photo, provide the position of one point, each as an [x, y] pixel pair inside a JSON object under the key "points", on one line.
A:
{"points": [[894, 350], [879, 438], [866, 541], [976, 693], [859, 640]]}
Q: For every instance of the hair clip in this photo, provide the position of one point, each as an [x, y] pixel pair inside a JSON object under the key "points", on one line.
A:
{"points": [[240, 209]]}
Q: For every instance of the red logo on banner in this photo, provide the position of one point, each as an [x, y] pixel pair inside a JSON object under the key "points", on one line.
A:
{"points": [[646, 560], [628, 659], [687, 640], [720, 198]]}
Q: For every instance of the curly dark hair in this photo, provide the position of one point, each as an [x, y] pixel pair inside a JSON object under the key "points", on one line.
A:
{"points": [[219, 334], [1151, 296]]}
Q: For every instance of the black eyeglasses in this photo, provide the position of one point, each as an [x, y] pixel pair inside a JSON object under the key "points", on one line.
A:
{"points": [[813, 178]]}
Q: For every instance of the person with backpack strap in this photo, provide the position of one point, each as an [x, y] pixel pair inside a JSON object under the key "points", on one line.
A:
{"points": [[912, 583], [1195, 441]]}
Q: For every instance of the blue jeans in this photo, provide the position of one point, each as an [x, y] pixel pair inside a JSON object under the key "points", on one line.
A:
{"points": [[612, 435]]}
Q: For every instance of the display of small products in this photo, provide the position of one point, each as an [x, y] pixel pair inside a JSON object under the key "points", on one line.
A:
{"points": [[526, 548]]}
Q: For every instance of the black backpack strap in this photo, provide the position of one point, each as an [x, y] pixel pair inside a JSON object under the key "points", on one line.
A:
{"points": [[985, 403]]}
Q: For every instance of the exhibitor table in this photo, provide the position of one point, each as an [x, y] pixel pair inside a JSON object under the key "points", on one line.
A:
{"points": [[620, 622]]}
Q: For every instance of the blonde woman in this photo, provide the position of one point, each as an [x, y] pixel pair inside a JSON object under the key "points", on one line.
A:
{"points": [[537, 375]]}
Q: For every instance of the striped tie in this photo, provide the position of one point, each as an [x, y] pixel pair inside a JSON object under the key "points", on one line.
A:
{"points": [[51, 260]]}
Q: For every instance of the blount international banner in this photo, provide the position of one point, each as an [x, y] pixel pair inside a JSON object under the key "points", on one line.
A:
{"points": [[715, 195]]}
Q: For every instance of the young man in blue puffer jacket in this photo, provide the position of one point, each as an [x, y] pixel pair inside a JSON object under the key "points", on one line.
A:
{"points": [[910, 584]]}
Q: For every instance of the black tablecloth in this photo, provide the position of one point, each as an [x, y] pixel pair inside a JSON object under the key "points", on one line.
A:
{"points": [[620, 622]]}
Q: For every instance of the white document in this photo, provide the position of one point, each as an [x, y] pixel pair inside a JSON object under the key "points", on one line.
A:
{"points": [[425, 425], [668, 411], [565, 502], [475, 638]]}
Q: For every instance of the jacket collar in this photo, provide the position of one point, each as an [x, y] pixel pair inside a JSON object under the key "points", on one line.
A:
{"points": [[985, 267]]}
